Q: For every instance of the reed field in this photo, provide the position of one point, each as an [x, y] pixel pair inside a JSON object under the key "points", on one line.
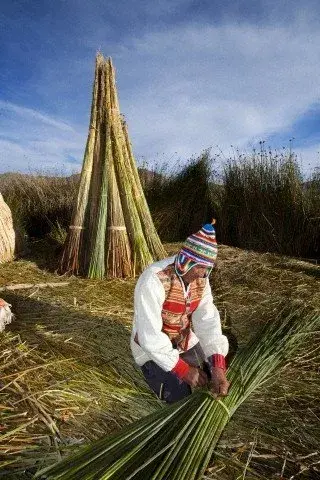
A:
{"points": [[261, 202], [39, 203]]}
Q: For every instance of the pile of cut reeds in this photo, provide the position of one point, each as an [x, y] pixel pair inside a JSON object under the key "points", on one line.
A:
{"points": [[178, 441], [86, 324], [275, 434], [7, 233], [111, 232]]}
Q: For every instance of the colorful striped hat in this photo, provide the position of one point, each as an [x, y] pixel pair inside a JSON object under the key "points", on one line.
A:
{"points": [[199, 249]]}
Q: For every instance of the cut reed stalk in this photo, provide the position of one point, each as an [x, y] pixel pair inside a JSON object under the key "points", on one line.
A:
{"points": [[99, 189], [118, 250]]}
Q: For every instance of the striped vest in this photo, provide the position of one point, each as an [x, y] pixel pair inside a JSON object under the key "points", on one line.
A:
{"points": [[176, 309]]}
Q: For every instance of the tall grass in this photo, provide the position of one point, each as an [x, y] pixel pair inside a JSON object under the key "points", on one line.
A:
{"points": [[261, 202], [39, 202], [267, 205], [181, 201]]}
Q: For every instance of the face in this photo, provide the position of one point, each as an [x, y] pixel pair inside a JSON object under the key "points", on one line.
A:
{"points": [[198, 271]]}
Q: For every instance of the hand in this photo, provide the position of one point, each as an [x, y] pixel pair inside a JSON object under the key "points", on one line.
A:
{"points": [[219, 382], [195, 377]]}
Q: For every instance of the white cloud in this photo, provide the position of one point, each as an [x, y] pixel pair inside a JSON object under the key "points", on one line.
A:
{"points": [[182, 89], [6, 108], [198, 86], [32, 140]]}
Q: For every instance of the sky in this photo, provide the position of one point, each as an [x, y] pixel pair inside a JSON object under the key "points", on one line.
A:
{"points": [[191, 75]]}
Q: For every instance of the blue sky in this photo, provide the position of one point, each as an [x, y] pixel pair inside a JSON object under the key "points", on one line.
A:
{"points": [[191, 75]]}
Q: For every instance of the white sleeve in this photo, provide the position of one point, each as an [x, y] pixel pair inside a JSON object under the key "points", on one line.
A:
{"points": [[207, 326], [149, 296]]}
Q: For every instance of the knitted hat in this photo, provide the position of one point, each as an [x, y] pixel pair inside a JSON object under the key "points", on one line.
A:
{"points": [[199, 249]]}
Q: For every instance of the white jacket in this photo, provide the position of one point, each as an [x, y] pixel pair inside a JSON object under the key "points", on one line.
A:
{"points": [[149, 296]]}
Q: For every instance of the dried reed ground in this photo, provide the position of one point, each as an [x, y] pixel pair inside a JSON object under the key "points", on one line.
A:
{"points": [[67, 374]]}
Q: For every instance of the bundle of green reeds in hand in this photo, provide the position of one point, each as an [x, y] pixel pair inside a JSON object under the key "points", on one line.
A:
{"points": [[177, 441]]}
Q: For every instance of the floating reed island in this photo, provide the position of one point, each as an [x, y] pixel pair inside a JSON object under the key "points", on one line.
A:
{"points": [[111, 233]]}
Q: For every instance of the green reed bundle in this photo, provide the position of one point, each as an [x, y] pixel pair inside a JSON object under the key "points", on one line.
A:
{"points": [[124, 175], [97, 222], [117, 236], [151, 235], [112, 231], [177, 442]]}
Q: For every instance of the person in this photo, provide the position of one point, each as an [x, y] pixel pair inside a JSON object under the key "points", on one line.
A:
{"points": [[176, 337]]}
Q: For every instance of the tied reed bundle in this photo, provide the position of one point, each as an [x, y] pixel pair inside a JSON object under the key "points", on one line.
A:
{"points": [[117, 237], [153, 240], [124, 175], [97, 207], [71, 258], [112, 231], [7, 233], [177, 442]]}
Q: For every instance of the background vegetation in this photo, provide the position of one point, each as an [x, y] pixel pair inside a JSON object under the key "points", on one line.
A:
{"points": [[261, 202]]}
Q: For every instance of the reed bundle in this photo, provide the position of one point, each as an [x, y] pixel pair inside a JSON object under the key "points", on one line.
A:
{"points": [[152, 238], [117, 236], [112, 230], [177, 442], [71, 258], [7, 233]]}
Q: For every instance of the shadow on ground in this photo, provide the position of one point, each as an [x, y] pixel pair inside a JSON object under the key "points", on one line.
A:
{"points": [[58, 329], [45, 253]]}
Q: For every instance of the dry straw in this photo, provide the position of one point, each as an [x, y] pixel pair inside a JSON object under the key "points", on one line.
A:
{"points": [[7, 233], [112, 231]]}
